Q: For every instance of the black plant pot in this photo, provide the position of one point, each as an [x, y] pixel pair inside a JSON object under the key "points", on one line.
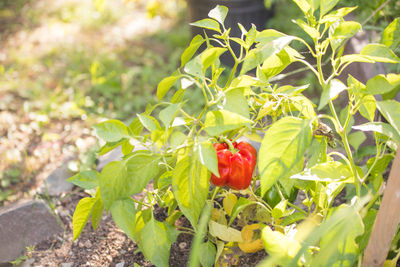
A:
{"points": [[244, 12]]}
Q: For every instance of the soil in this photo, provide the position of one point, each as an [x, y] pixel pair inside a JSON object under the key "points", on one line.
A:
{"points": [[109, 246]]}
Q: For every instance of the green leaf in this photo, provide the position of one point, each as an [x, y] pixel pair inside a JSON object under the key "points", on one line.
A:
{"points": [[110, 146], [218, 13], [391, 35], [270, 43], [312, 32], [208, 253], [297, 216], [336, 15], [208, 157], [279, 210], [368, 220], [164, 86], [81, 215], [344, 31], [126, 147], [97, 210], [123, 212], [236, 102], [194, 67], [210, 55], [279, 245], [368, 107], [390, 109], [380, 127], [224, 232], [355, 58], [380, 53], [113, 182], [141, 168], [240, 205], [168, 114], [177, 139], [275, 64], [331, 91], [157, 238], [190, 184], [111, 130], [149, 122], [338, 244], [304, 105], [378, 85], [220, 121], [85, 179], [207, 24], [330, 171], [326, 6], [282, 148], [356, 139], [196, 42], [196, 251], [303, 5]]}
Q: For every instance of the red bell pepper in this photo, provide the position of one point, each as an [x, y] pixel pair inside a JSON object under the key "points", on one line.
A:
{"points": [[235, 169]]}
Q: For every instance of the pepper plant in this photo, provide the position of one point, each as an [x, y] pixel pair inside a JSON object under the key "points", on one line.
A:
{"points": [[309, 152]]}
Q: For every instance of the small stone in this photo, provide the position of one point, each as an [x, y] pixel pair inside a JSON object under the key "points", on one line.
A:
{"points": [[88, 244], [81, 245], [56, 183], [182, 245], [123, 251], [109, 258], [66, 264], [25, 224], [28, 263], [120, 264]]}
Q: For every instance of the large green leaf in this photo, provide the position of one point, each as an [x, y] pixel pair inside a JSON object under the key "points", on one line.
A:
{"points": [[218, 13], [207, 156], [279, 245], [381, 84], [113, 183], [344, 31], [168, 114], [327, 5], [196, 42], [111, 130], [123, 212], [224, 232], [156, 240], [209, 56], [282, 148], [164, 86], [330, 171], [220, 121], [208, 253], [304, 5], [85, 179], [194, 67], [149, 122], [332, 90], [237, 102], [380, 127], [97, 210], [81, 215], [390, 109], [190, 184], [391, 35], [207, 24], [380, 53], [270, 43], [336, 15], [141, 167]]}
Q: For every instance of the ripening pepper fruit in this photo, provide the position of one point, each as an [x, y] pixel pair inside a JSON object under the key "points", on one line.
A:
{"points": [[235, 168]]}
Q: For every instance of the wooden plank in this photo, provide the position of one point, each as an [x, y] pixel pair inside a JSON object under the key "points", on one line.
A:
{"points": [[387, 220]]}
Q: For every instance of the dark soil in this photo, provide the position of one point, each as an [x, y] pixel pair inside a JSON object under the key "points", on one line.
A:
{"points": [[108, 245]]}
